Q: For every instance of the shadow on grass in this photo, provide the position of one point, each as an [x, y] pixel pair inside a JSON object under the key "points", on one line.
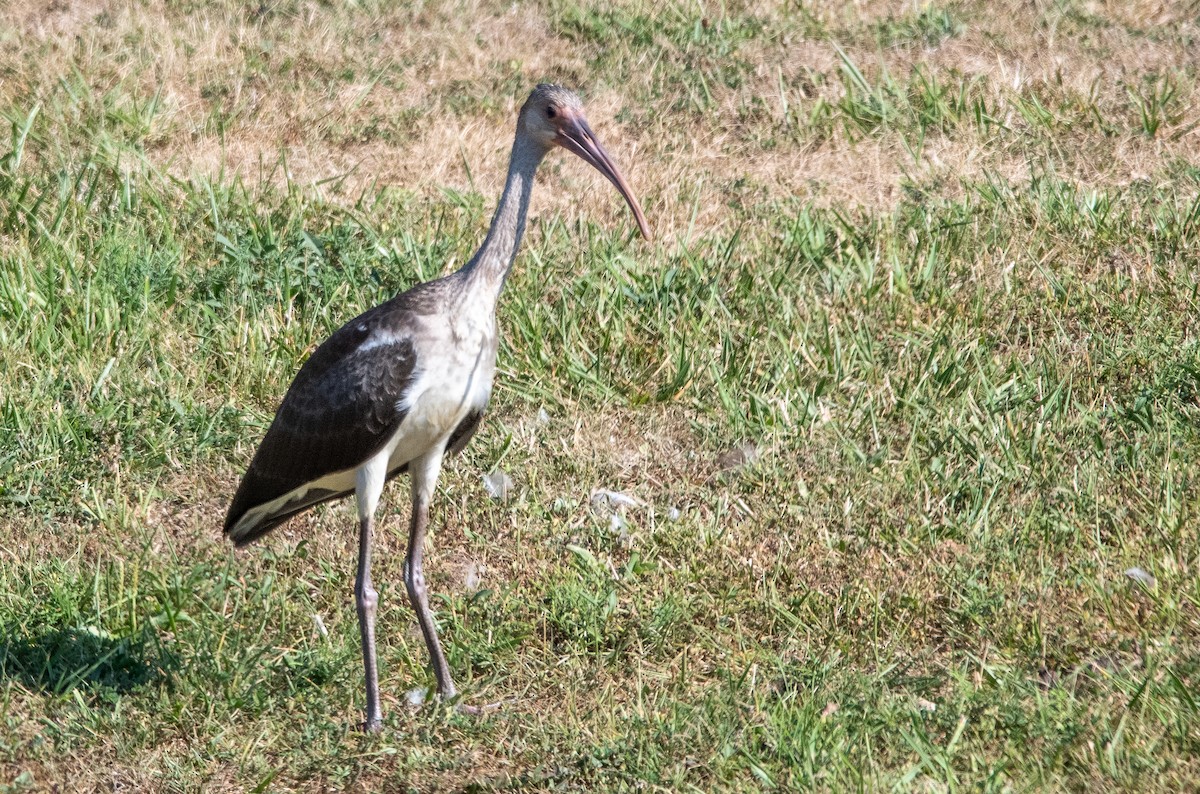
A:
{"points": [[60, 660]]}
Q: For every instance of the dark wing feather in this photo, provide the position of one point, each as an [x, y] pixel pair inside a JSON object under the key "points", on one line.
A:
{"points": [[339, 411], [462, 434]]}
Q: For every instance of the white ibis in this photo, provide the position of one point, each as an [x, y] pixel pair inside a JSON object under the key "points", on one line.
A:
{"points": [[405, 383]]}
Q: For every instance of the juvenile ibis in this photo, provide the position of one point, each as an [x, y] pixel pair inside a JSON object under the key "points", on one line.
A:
{"points": [[402, 385]]}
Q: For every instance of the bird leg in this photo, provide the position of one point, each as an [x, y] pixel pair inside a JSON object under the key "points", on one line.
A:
{"points": [[366, 599], [414, 580], [424, 472]]}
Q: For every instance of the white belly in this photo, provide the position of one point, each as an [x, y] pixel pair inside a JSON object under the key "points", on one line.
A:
{"points": [[447, 388]]}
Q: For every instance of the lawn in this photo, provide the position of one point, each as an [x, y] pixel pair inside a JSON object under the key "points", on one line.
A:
{"points": [[904, 396]]}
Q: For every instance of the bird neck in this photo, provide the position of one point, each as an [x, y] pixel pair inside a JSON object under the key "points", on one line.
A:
{"points": [[488, 269]]}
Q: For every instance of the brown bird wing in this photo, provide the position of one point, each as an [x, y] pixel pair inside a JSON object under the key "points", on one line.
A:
{"points": [[341, 409]]}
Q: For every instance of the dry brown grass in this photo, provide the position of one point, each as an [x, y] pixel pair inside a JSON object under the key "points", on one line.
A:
{"points": [[392, 98]]}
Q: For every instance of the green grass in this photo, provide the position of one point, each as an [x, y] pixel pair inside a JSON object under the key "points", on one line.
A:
{"points": [[974, 406]]}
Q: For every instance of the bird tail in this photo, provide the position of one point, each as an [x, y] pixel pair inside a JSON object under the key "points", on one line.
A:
{"points": [[243, 533], [246, 524]]}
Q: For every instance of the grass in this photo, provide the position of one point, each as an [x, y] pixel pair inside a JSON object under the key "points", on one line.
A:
{"points": [[906, 391]]}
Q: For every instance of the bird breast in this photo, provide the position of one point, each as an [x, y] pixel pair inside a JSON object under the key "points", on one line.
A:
{"points": [[456, 361]]}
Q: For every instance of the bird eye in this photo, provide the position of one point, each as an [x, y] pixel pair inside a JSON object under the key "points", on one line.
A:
{"points": [[550, 113]]}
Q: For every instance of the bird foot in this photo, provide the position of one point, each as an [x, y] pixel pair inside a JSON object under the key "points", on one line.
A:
{"points": [[371, 726]]}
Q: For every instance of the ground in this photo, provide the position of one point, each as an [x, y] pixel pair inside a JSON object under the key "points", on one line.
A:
{"points": [[904, 395]]}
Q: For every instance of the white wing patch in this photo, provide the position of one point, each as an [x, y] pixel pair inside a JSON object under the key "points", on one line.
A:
{"points": [[379, 338]]}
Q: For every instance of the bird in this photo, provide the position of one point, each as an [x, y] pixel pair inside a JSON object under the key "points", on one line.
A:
{"points": [[405, 384]]}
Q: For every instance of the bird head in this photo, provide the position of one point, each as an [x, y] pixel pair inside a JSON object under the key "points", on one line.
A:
{"points": [[553, 116]]}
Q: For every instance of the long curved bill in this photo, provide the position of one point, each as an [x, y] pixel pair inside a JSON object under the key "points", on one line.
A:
{"points": [[576, 136]]}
